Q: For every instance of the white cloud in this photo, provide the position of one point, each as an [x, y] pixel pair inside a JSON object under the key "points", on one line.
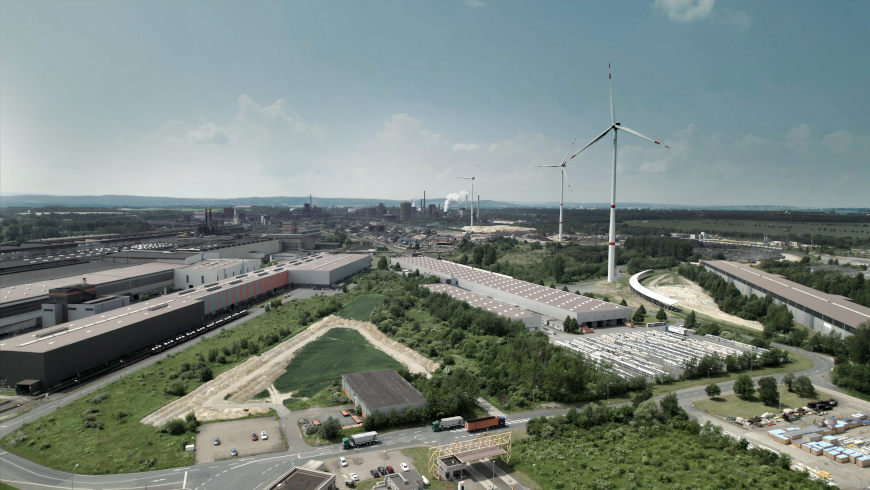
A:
{"points": [[209, 133], [685, 10], [275, 115], [798, 137], [839, 141], [752, 141], [466, 147], [475, 4]]}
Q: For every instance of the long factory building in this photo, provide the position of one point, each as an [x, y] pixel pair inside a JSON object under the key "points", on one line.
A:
{"points": [[530, 320], [49, 356], [820, 311], [533, 297]]}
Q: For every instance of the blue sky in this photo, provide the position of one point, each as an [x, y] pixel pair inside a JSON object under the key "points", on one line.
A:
{"points": [[762, 102]]}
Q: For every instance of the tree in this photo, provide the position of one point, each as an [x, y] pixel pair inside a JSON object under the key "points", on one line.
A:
{"points": [[383, 263], [804, 387], [691, 322], [713, 390], [670, 406], [788, 380], [330, 428], [639, 315], [744, 387], [623, 302], [570, 324], [767, 391], [661, 315]]}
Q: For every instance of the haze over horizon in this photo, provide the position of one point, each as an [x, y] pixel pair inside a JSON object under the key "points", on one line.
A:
{"points": [[762, 103]]}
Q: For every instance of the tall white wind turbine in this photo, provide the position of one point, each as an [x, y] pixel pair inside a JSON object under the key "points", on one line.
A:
{"points": [[564, 176], [472, 196], [616, 127]]}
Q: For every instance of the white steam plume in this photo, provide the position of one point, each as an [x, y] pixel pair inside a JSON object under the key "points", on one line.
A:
{"points": [[454, 197]]}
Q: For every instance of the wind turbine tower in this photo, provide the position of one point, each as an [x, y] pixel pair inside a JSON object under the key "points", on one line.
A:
{"points": [[616, 127], [564, 177]]}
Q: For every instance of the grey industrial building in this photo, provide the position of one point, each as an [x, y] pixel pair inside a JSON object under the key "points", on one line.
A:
{"points": [[326, 270], [211, 270], [817, 310], [533, 297], [299, 478], [50, 356], [381, 391], [21, 305], [531, 321]]}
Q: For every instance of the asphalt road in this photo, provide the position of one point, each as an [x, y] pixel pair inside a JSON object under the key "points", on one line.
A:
{"points": [[257, 471]]}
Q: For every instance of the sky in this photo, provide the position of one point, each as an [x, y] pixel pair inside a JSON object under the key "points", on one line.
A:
{"points": [[762, 103]]}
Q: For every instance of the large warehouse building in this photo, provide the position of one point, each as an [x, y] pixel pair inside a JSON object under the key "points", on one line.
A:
{"points": [[21, 305], [531, 321], [50, 356], [540, 299], [381, 391], [325, 270], [820, 311]]}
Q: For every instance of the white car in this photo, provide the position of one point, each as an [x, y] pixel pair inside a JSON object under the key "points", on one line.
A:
{"points": [[404, 467], [264, 436], [425, 480], [354, 477], [342, 461]]}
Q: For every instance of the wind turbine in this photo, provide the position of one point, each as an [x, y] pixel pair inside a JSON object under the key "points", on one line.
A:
{"points": [[472, 197], [616, 127], [564, 177]]}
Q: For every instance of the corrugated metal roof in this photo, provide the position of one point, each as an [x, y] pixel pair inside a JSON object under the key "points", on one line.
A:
{"points": [[382, 388], [480, 301]]}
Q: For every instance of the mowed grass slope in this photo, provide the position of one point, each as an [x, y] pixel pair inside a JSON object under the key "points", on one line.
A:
{"points": [[361, 308], [105, 436], [320, 363], [732, 406]]}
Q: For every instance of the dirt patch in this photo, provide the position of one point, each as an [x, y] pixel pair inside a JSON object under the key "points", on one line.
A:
{"points": [[495, 229], [692, 297], [259, 372]]}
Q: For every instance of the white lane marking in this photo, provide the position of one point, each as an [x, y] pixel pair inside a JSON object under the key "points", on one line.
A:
{"points": [[184, 483]]}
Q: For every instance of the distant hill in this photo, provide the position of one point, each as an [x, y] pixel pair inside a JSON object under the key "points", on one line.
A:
{"points": [[127, 201]]}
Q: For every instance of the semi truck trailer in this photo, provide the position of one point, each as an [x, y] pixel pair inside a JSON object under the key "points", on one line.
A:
{"points": [[359, 440], [484, 423], [447, 424]]}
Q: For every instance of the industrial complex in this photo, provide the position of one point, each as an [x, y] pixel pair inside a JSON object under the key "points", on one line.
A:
{"points": [[533, 297], [818, 310], [48, 356], [532, 321]]}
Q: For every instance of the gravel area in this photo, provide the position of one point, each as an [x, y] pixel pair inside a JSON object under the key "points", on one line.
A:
{"points": [[237, 434]]}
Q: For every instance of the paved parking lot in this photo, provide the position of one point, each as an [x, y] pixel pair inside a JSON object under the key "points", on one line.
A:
{"points": [[362, 462], [237, 434], [324, 413]]}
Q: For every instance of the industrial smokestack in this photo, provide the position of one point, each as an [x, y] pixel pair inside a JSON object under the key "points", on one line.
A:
{"points": [[423, 207]]}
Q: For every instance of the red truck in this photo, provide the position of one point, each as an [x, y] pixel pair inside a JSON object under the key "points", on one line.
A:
{"points": [[484, 423]]}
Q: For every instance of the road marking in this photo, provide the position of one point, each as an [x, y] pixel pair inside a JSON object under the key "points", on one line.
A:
{"points": [[184, 483]]}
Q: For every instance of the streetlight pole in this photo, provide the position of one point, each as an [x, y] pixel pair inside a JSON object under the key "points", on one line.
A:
{"points": [[608, 391], [493, 469], [535, 477], [73, 480], [708, 373]]}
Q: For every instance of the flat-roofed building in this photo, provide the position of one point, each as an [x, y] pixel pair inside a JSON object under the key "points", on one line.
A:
{"points": [[212, 270], [531, 320], [326, 269], [304, 479], [817, 310], [381, 391], [533, 297]]}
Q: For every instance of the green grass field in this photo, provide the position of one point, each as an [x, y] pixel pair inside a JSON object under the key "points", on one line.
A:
{"points": [[60, 440], [318, 364], [731, 406], [361, 308]]}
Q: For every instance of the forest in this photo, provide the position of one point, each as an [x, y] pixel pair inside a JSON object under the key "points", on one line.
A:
{"points": [[22, 227]]}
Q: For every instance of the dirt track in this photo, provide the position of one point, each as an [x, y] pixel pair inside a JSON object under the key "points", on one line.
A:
{"points": [[258, 373], [692, 297]]}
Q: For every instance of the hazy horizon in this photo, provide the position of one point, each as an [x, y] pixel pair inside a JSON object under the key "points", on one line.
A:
{"points": [[763, 104]]}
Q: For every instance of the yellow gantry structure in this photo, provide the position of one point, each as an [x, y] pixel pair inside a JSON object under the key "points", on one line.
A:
{"points": [[472, 450]]}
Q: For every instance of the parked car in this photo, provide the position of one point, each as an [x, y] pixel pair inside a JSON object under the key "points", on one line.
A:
{"points": [[375, 473], [354, 477], [263, 435], [382, 470], [390, 470], [233, 452], [342, 461], [425, 480], [404, 467], [217, 442], [254, 436]]}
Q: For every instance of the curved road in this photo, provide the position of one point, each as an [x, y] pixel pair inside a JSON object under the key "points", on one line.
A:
{"points": [[257, 471]]}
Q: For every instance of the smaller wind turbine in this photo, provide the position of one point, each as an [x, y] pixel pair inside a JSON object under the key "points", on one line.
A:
{"points": [[564, 177], [472, 196]]}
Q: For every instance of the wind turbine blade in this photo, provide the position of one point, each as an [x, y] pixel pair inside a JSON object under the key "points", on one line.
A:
{"points": [[629, 130], [591, 142], [548, 166], [565, 158], [610, 84], [565, 174]]}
